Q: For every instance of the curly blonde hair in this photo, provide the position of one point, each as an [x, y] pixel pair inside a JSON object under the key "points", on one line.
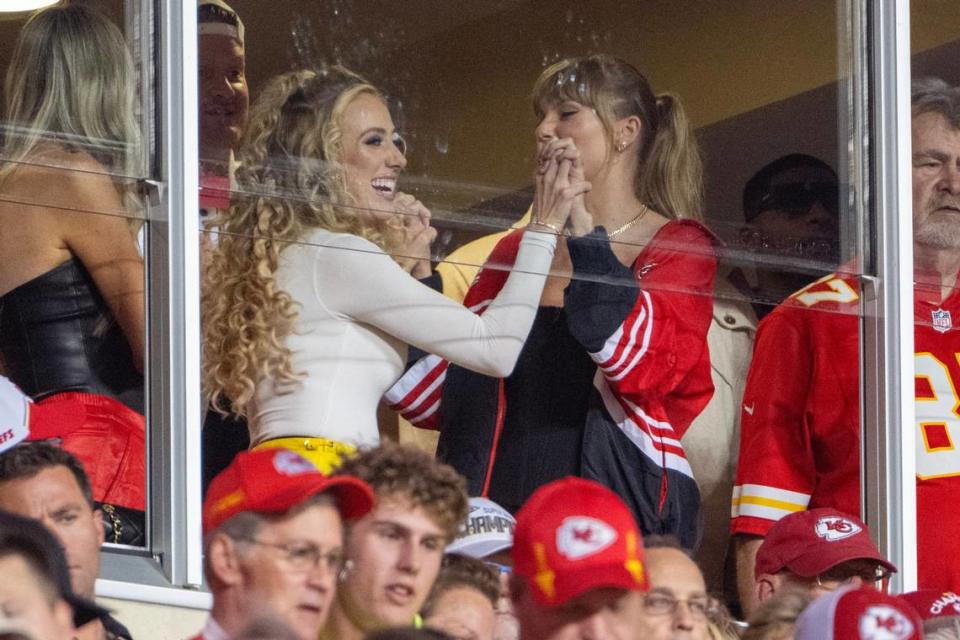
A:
{"points": [[289, 181]]}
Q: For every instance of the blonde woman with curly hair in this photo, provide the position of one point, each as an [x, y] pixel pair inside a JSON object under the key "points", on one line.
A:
{"points": [[306, 316]]}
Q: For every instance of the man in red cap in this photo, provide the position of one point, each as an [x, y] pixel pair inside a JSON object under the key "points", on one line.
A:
{"points": [[578, 567], [273, 527], [858, 613], [819, 549]]}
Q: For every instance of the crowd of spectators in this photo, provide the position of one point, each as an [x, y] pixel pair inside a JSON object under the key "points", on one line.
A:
{"points": [[594, 390]]}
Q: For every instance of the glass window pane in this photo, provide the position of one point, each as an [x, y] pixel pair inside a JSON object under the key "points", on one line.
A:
{"points": [[76, 141], [935, 172], [634, 353]]}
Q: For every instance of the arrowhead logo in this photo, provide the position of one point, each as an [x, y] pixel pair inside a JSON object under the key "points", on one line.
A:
{"points": [[883, 622], [833, 528], [579, 537], [290, 463], [749, 409]]}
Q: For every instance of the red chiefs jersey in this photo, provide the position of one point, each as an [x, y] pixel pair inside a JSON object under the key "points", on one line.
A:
{"points": [[800, 433]]}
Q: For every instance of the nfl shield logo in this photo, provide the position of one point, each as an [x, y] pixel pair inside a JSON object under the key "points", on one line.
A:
{"points": [[941, 320]]}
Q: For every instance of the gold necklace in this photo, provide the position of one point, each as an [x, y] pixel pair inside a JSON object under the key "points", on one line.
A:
{"points": [[629, 223]]}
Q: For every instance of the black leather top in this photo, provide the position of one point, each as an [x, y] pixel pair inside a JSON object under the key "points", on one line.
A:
{"points": [[57, 334]]}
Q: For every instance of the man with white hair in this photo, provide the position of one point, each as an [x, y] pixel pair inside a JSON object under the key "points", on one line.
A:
{"points": [[800, 424]]}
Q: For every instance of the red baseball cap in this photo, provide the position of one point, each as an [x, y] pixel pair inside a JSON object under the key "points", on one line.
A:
{"points": [[575, 535], [863, 613], [274, 481], [811, 542], [931, 603]]}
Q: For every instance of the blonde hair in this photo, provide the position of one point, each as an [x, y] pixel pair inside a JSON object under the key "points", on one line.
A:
{"points": [[70, 81], [670, 177], [289, 181], [776, 618]]}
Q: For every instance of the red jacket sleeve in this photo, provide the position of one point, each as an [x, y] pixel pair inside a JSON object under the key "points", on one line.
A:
{"points": [[648, 332]]}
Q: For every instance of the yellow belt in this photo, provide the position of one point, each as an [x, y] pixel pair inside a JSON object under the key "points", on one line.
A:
{"points": [[326, 455]]}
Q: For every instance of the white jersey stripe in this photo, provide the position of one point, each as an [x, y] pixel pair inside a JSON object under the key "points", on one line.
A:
{"points": [[409, 380], [611, 346], [639, 436]]}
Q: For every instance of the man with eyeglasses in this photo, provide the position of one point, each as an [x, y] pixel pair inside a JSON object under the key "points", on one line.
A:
{"points": [[273, 530], [578, 565], [800, 419], [819, 550], [677, 606]]}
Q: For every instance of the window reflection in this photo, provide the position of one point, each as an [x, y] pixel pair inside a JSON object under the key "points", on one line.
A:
{"points": [[72, 324], [456, 81]]}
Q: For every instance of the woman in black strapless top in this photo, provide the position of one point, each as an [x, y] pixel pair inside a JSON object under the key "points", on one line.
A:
{"points": [[71, 274], [57, 334]]}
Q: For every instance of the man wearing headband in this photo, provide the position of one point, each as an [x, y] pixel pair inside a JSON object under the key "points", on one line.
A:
{"points": [[224, 97]]}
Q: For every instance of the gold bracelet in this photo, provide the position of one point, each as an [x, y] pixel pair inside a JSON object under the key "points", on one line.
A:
{"points": [[553, 227]]}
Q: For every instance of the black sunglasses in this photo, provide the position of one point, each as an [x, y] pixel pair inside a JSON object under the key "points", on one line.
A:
{"points": [[796, 198]]}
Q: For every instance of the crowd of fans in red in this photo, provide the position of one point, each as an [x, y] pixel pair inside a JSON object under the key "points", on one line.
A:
{"points": [[581, 381]]}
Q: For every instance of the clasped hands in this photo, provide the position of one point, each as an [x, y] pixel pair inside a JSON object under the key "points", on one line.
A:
{"points": [[412, 235], [560, 187]]}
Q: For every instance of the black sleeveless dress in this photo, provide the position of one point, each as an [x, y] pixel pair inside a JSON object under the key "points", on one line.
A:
{"points": [[57, 334]]}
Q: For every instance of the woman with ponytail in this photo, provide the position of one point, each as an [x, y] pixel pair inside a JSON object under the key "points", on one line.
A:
{"points": [[307, 317], [616, 365]]}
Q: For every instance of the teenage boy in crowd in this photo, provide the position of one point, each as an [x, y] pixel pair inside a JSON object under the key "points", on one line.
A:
{"points": [[395, 551]]}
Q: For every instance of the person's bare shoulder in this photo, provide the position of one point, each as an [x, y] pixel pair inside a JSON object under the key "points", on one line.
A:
{"points": [[59, 179]]}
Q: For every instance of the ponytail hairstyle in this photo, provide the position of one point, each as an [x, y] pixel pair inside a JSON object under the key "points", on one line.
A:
{"points": [[670, 175], [71, 80], [289, 181]]}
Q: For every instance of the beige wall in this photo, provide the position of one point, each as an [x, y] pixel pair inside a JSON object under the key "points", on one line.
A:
{"points": [[156, 621], [464, 79]]}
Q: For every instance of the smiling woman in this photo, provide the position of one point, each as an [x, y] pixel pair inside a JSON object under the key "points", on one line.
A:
{"points": [[306, 317]]}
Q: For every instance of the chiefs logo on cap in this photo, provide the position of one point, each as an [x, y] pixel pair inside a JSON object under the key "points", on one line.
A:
{"points": [[290, 463], [580, 536], [833, 528], [882, 622]]}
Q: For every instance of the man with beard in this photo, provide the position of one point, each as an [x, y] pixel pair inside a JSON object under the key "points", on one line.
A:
{"points": [[800, 438]]}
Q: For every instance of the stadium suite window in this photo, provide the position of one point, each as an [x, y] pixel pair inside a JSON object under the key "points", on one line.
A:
{"points": [[458, 82]]}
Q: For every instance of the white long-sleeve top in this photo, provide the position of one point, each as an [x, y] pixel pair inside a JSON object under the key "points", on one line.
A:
{"points": [[358, 313]]}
